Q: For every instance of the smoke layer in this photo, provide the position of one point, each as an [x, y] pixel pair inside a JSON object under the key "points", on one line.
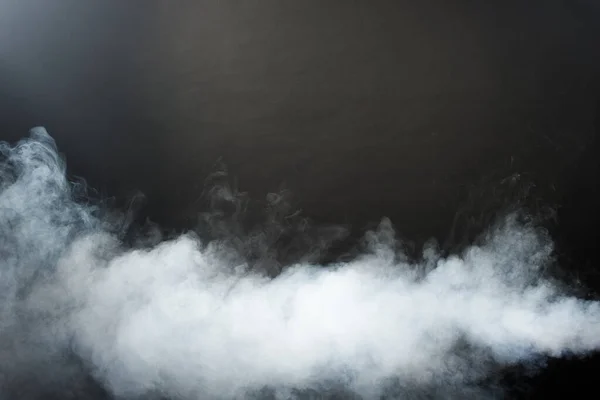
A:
{"points": [[184, 319]]}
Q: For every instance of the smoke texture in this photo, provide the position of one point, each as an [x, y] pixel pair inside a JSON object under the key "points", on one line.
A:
{"points": [[188, 317]]}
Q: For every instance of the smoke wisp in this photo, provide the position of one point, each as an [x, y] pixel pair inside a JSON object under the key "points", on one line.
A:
{"points": [[185, 319]]}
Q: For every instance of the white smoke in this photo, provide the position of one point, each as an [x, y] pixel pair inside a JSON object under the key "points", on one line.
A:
{"points": [[179, 320]]}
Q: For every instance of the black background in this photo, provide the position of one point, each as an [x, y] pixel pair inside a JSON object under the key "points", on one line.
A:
{"points": [[363, 109]]}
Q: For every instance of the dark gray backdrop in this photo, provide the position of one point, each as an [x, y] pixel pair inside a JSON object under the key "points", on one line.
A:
{"points": [[362, 109]]}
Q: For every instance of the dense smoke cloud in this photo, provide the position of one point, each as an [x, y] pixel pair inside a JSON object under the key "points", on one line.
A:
{"points": [[185, 319]]}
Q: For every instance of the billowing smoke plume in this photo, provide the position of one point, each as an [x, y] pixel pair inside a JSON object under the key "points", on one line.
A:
{"points": [[182, 320]]}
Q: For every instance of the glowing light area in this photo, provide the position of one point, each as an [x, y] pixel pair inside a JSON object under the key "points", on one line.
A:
{"points": [[181, 320]]}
